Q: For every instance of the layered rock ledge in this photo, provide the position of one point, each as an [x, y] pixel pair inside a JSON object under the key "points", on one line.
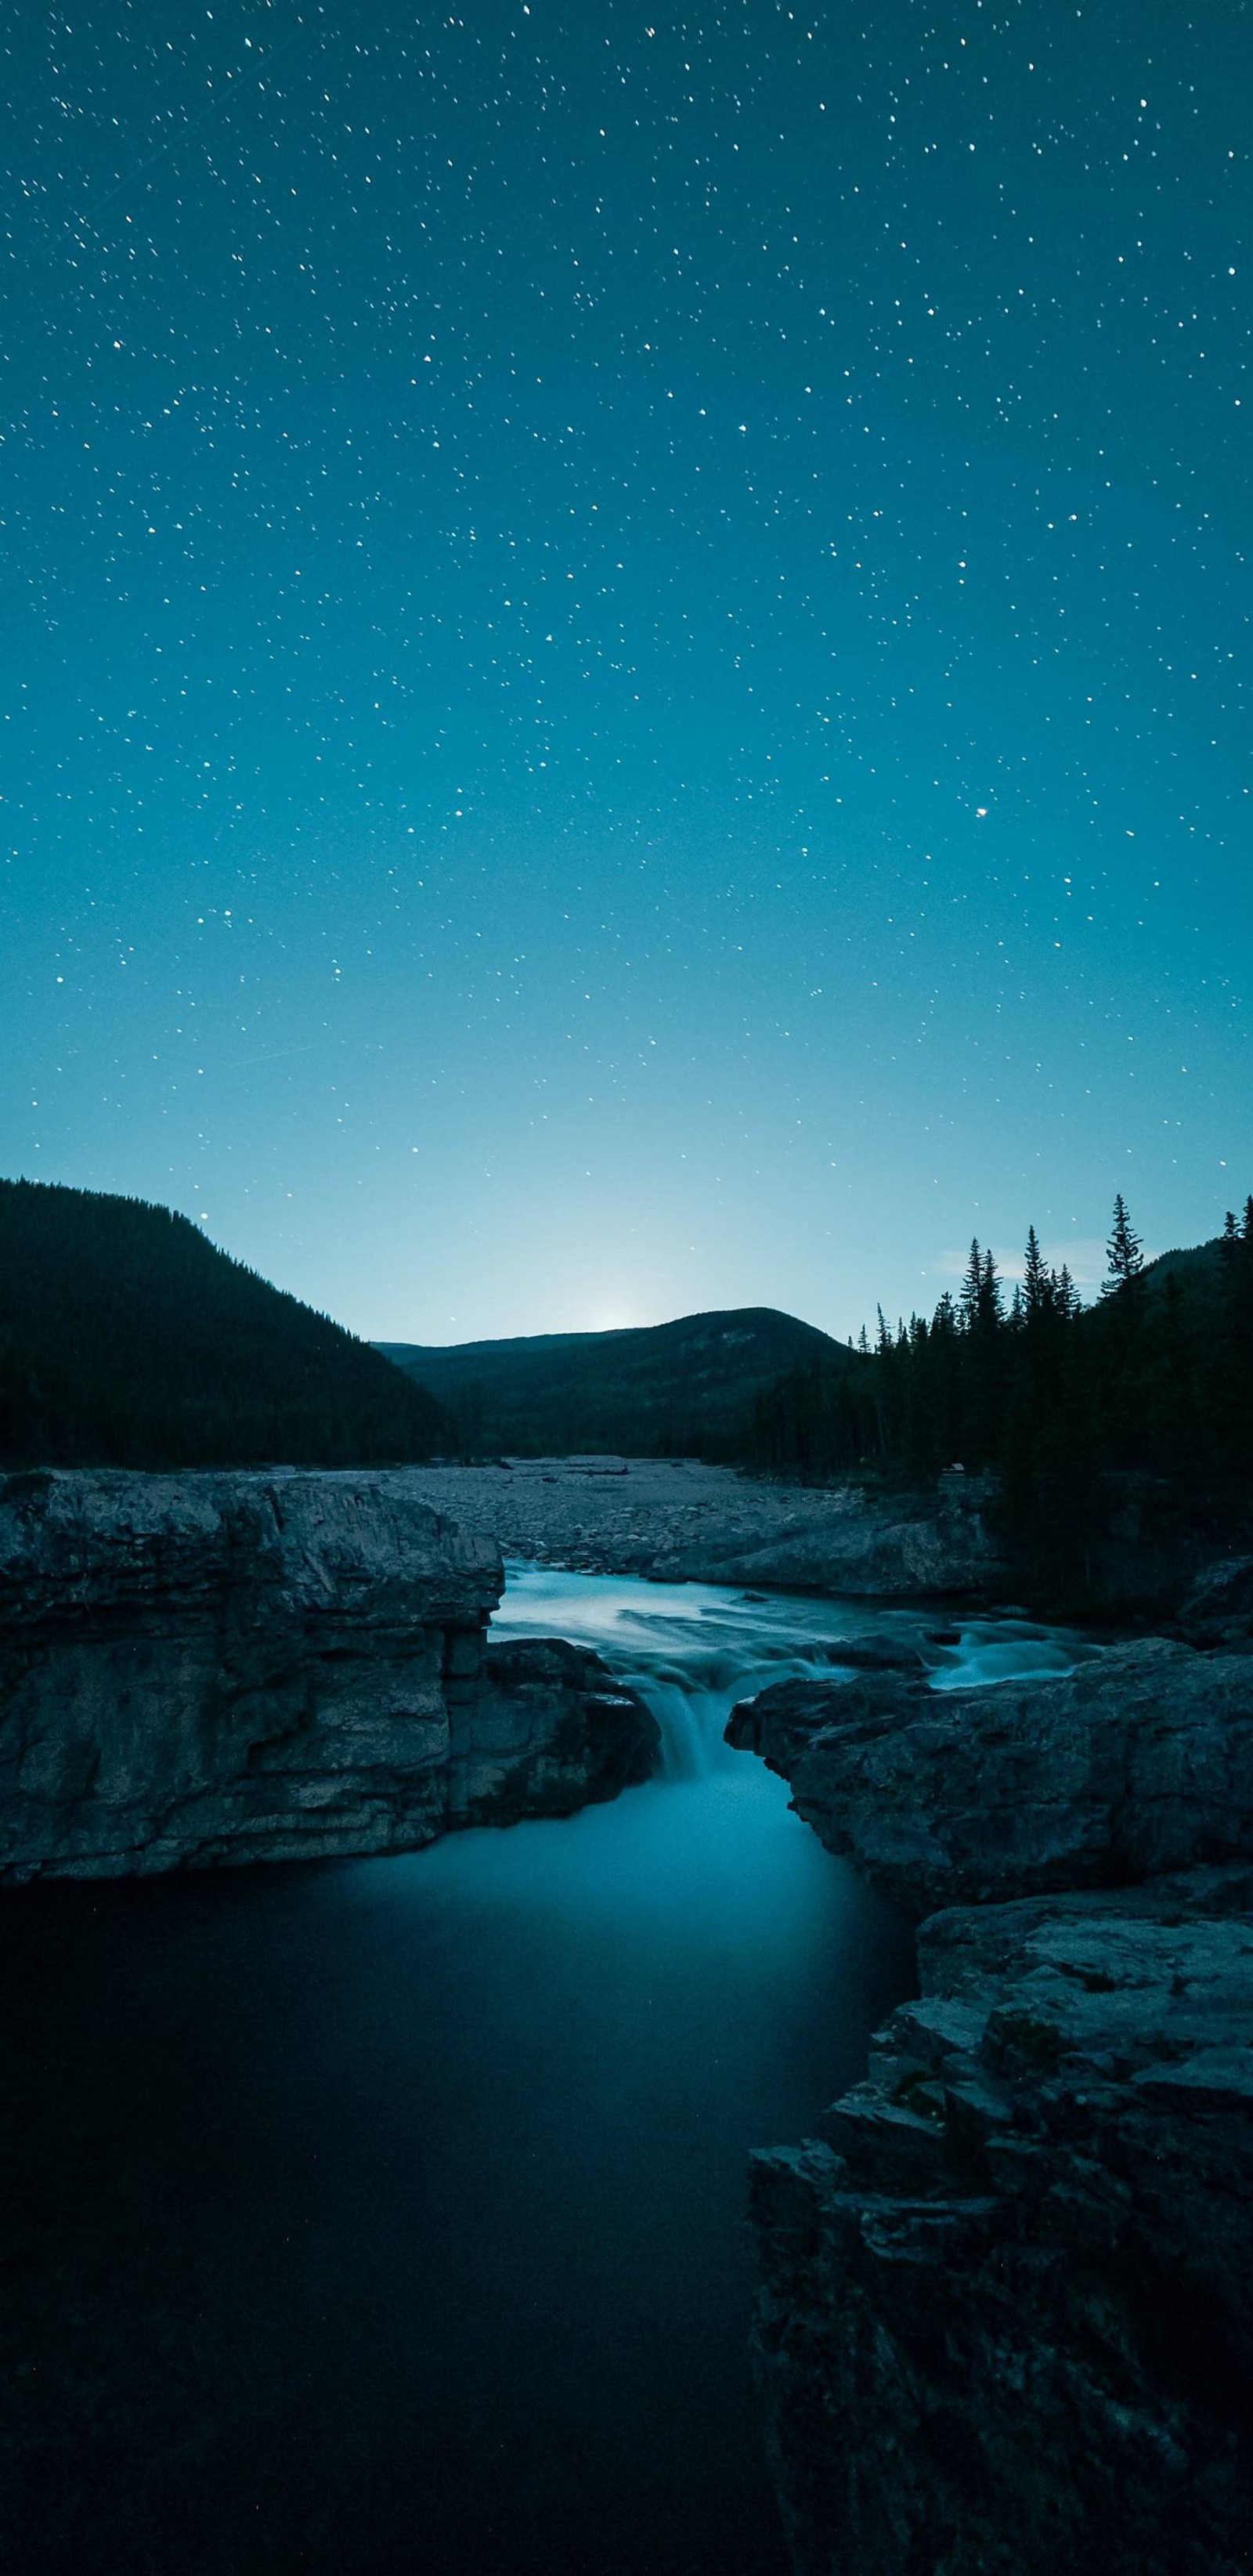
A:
{"points": [[1006, 2306], [209, 1669]]}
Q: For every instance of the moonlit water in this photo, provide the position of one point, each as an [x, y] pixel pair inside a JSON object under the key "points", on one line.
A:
{"points": [[694, 1649], [388, 2215]]}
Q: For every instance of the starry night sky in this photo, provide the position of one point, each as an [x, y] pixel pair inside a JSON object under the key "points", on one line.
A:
{"points": [[624, 664]]}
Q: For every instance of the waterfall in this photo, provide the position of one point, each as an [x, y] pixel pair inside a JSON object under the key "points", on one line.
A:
{"points": [[691, 1723]]}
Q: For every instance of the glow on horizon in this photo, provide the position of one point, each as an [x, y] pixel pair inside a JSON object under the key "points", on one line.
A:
{"points": [[630, 688]]}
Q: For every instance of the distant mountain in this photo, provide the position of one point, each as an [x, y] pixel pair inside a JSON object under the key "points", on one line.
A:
{"points": [[1197, 1270], [128, 1340], [664, 1390]]}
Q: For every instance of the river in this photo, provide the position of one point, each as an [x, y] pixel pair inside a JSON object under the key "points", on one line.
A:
{"points": [[388, 2215]]}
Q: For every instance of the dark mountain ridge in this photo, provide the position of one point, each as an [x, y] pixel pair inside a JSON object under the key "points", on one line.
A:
{"points": [[127, 1339], [657, 1390]]}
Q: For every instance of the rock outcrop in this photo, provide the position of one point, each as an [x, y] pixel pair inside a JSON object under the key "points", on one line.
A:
{"points": [[1218, 1610], [1006, 2306], [217, 1668], [1137, 1763], [551, 1731], [906, 1549]]}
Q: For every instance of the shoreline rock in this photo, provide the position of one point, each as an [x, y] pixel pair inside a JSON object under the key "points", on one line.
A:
{"points": [[553, 1730], [209, 1669], [680, 1521], [1005, 2313], [1137, 1763]]}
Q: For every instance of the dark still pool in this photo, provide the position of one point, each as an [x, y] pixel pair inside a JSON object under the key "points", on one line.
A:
{"points": [[387, 2215]]}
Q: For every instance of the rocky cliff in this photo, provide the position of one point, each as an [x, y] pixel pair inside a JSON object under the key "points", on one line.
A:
{"points": [[217, 1668], [1006, 2307]]}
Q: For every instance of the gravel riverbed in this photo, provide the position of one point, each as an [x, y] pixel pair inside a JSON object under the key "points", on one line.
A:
{"points": [[623, 1516]]}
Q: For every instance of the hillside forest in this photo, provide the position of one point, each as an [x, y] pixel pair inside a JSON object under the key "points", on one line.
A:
{"points": [[1145, 1395]]}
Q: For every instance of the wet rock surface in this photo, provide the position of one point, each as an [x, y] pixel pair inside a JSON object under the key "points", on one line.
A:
{"points": [[205, 1669], [1006, 2305]]}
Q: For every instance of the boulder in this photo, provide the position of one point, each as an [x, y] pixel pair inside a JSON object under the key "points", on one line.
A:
{"points": [[879, 1652]]}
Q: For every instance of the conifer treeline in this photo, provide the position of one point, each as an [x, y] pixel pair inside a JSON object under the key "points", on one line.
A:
{"points": [[1157, 1378]]}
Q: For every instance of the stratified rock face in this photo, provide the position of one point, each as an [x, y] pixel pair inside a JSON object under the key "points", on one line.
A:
{"points": [[1006, 2322], [1137, 1763], [1006, 2310], [206, 1669]]}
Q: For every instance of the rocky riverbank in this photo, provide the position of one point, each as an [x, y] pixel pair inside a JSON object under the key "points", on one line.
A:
{"points": [[679, 1521], [205, 1669], [1006, 2306]]}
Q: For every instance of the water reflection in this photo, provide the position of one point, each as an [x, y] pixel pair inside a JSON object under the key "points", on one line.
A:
{"points": [[388, 2215]]}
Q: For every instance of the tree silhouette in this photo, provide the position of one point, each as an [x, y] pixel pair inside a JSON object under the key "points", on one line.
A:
{"points": [[1124, 1252], [1139, 1403]]}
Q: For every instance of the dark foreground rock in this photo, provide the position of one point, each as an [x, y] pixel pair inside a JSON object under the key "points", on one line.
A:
{"points": [[206, 1669], [1006, 2321], [1006, 2309]]}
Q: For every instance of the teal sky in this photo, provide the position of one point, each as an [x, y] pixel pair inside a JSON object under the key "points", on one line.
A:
{"points": [[624, 680]]}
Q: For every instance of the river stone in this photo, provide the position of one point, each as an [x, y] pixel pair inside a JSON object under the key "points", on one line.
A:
{"points": [[552, 1730]]}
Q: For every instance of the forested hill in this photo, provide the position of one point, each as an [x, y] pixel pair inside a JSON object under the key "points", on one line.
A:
{"points": [[127, 1340], [1142, 1400], [663, 1390]]}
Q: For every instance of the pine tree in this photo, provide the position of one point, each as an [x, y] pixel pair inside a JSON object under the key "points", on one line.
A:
{"points": [[972, 1286], [990, 1304], [1035, 1278], [1126, 1259]]}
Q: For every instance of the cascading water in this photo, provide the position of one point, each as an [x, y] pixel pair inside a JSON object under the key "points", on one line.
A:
{"points": [[692, 1650], [398, 2205]]}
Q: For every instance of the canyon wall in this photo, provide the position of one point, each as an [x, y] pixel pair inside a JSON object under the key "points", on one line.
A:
{"points": [[1005, 2317], [207, 1668]]}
